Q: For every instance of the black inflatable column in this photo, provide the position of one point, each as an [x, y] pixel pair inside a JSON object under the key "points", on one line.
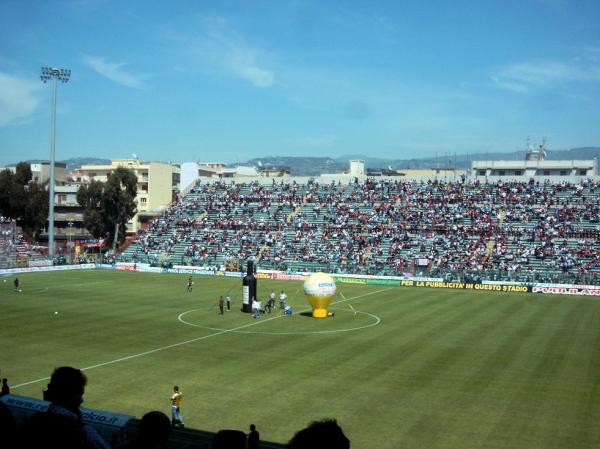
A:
{"points": [[249, 288]]}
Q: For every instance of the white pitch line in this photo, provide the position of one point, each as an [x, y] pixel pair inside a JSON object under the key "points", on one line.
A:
{"points": [[174, 345], [377, 320]]}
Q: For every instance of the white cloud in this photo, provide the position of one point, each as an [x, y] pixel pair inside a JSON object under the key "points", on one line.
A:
{"points": [[531, 75], [511, 85], [18, 99], [113, 71], [230, 50], [243, 65]]}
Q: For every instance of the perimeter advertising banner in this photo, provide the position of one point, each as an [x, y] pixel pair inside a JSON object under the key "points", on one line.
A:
{"points": [[107, 424], [467, 286], [405, 281], [371, 280], [84, 266], [200, 271], [589, 290]]}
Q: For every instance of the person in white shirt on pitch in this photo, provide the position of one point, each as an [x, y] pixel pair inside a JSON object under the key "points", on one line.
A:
{"points": [[282, 298], [256, 308]]}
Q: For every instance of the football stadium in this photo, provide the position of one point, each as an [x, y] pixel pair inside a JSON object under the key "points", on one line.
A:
{"points": [[458, 315], [299, 224]]}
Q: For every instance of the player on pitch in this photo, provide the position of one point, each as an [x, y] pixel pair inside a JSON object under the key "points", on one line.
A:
{"points": [[176, 415]]}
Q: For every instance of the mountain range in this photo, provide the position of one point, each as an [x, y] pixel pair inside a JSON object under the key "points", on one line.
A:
{"points": [[314, 166]]}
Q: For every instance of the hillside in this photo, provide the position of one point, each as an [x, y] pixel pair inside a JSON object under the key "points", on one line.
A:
{"points": [[313, 166]]}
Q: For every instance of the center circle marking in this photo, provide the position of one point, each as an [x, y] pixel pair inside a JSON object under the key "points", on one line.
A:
{"points": [[376, 321]]}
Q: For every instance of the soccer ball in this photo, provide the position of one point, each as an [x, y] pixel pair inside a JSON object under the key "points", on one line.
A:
{"points": [[20, 290]]}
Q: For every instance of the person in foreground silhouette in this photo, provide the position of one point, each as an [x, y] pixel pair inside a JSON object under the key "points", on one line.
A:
{"points": [[229, 439], [253, 438], [8, 427], [325, 434], [153, 432], [62, 426]]}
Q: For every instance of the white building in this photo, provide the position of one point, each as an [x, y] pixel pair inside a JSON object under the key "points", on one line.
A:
{"points": [[357, 168], [40, 172], [536, 167], [192, 171]]}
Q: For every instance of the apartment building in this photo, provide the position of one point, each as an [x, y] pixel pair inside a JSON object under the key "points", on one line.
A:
{"points": [[158, 185]]}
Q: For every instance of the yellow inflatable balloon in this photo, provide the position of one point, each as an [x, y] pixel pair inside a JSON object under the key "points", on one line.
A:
{"points": [[319, 289]]}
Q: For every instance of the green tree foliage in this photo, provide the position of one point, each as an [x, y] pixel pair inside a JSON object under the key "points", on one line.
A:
{"points": [[7, 178], [35, 214], [118, 201], [89, 196], [23, 173], [18, 199], [108, 206], [23, 200]]}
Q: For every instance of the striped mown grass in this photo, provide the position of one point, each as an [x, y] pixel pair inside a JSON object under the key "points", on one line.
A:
{"points": [[412, 368]]}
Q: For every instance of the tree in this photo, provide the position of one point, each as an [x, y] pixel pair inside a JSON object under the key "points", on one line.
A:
{"points": [[23, 173], [89, 196], [23, 200], [35, 214], [118, 201], [6, 182], [18, 197]]}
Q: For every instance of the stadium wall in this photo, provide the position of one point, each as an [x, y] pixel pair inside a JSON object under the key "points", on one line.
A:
{"points": [[107, 424], [392, 281], [9, 271]]}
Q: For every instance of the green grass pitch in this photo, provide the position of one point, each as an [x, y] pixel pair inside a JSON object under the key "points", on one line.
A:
{"points": [[407, 368]]}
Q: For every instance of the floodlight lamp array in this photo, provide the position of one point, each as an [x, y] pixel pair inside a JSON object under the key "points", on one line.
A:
{"points": [[48, 73]]}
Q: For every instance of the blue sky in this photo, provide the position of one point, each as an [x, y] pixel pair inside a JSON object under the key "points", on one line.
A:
{"points": [[232, 80]]}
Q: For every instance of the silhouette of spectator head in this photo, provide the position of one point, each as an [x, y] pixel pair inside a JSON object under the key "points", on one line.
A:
{"points": [[253, 438], [229, 439], [154, 429], [325, 434], [5, 388], [66, 388]]}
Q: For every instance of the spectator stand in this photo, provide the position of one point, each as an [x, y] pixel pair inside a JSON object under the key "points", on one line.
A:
{"points": [[506, 231]]}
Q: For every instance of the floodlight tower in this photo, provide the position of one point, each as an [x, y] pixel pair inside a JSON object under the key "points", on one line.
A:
{"points": [[63, 75]]}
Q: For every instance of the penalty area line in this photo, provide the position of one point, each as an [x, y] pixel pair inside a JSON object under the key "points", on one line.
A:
{"points": [[186, 342]]}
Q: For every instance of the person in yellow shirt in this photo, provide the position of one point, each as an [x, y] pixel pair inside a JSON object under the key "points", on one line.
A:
{"points": [[176, 400]]}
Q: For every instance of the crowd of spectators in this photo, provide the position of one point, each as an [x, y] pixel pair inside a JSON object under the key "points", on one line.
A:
{"points": [[13, 244], [511, 230]]}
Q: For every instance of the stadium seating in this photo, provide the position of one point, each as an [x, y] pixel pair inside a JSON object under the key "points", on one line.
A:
{"points": [[509, 231], [14, 246]]}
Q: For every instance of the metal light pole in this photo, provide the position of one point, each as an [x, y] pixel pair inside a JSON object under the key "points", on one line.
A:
{"points": [[49, 73]]}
